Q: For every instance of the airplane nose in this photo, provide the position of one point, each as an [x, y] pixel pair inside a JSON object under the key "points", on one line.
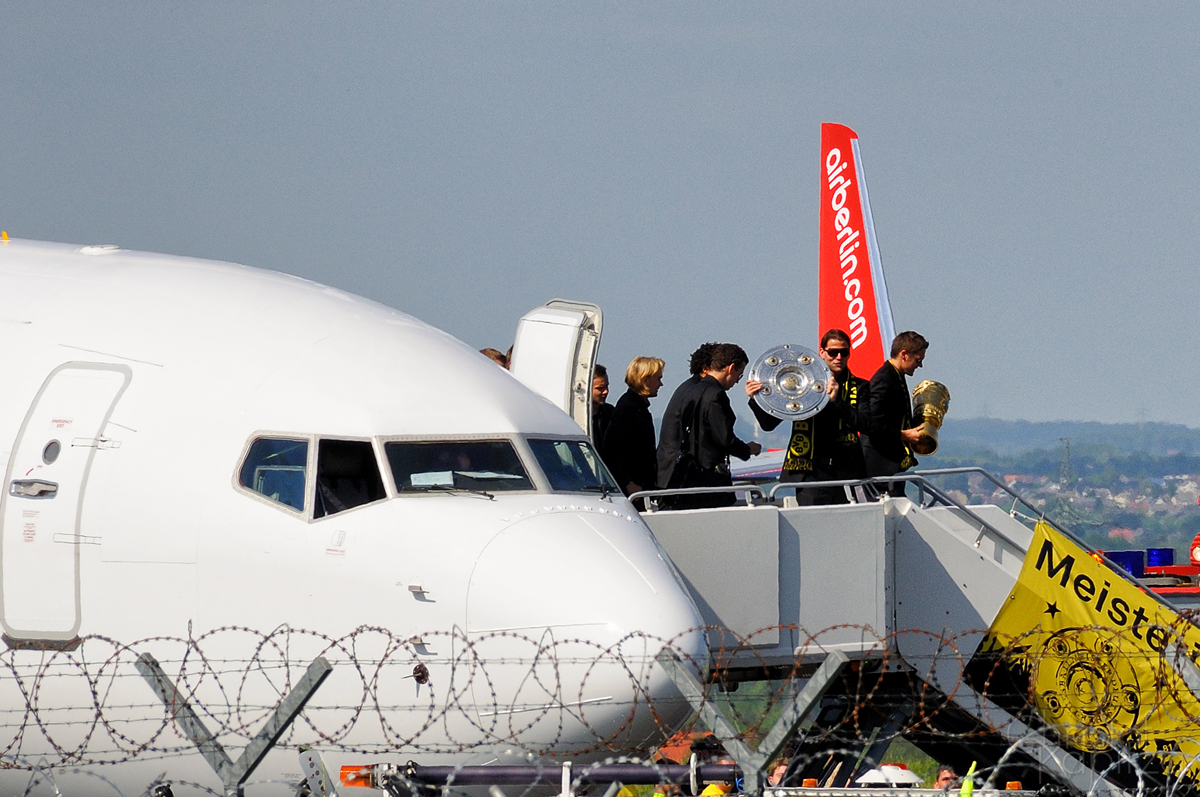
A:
{"points": [[566, 611]]}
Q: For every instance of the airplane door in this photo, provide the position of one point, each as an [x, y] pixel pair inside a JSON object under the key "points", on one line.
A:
{"points": [[554, 354], [44, 487]]}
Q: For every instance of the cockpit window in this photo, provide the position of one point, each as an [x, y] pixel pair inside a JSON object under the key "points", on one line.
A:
{"points": [[347, 476], [456, 465], [572, 466], [276, 467]]}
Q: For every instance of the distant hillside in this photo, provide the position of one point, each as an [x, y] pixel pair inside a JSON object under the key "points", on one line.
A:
{"points": [[1149, 449], [961, 436]]}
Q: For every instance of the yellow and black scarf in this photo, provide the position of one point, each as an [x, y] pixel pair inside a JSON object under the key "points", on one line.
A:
{"points": [[908, 461], [802, 445]]}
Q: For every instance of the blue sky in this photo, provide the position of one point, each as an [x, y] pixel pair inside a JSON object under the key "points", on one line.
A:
{"points": [[1032, 168]]}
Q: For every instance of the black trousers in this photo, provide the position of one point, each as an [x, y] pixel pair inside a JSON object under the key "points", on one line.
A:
{"points": [[816, 496], [712, 477], [878, 465]]}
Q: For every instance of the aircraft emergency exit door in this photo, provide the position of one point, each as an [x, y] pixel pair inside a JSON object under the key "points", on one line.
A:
{"points": [[43, 494]]}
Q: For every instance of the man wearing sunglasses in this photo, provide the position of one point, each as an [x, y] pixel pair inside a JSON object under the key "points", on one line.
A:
{"points": [[825, 447]]}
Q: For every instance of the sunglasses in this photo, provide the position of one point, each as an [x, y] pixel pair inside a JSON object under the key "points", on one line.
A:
{"points": [[835, 353]]}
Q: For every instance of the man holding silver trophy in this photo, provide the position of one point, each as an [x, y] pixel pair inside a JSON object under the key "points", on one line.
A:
{"points": [[827, 405]]}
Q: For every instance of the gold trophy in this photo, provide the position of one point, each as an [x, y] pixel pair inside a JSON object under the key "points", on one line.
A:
{"points": [[930, 402]]}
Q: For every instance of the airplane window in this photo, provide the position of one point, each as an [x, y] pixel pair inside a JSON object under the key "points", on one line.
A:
{"points": [[275, 467], [347, 476], [572, 466], [445, 465]]}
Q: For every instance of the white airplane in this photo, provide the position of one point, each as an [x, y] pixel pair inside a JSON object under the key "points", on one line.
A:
{"points": [[237, 471]]}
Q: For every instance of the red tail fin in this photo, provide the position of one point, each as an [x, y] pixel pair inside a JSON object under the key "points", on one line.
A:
{"points": [[853, 294]]}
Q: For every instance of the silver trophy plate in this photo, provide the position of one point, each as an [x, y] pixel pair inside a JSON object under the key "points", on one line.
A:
{"points": [[794, 380]]}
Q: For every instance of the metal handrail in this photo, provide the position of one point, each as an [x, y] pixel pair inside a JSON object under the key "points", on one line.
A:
{"points": [[923, 484], [1017, 497], [813, 485], [735, 488], [917, 477]]}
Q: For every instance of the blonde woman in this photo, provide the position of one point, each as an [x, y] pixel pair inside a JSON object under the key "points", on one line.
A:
{"points": [[628, 446]]}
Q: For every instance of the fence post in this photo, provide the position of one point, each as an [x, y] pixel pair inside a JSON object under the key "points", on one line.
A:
{"points": [[753, 762], [233, 774]]}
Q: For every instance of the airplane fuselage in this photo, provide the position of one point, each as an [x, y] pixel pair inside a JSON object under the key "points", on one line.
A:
{"points": [[238, 471]]}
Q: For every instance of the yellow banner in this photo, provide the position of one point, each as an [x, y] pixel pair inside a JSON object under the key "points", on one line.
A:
{"points": [[1094, 647]]}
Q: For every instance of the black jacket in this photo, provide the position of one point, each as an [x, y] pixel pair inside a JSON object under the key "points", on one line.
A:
{"points": [[889, 411], [601, 418], [827, 444], [700, 413], [628, 446]]}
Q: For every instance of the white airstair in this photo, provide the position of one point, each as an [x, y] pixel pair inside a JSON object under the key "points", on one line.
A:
{"points": [[904, 589]]}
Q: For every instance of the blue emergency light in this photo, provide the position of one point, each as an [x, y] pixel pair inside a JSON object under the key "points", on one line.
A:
{"points": [[1160, 557], [1132, 562]]}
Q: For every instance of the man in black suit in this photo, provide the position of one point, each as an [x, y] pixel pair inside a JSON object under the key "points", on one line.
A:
{"points": [[887, 444], [697, 436]]}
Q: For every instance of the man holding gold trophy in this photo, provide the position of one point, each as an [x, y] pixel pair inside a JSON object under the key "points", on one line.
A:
{"points": [[892, 436]]}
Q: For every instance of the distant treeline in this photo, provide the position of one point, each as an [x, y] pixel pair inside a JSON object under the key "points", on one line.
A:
{"points": [[1094, 465], [1100, 453], [1013, 437], [1124, 458]]}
